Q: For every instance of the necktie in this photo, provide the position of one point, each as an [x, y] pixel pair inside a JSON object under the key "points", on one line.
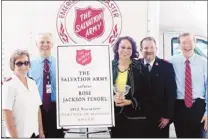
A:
{"points": [[188, 85], [148, 66], [46, 81]]}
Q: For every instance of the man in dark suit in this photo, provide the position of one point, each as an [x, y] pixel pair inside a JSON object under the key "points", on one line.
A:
{"points": [[160, 91]]}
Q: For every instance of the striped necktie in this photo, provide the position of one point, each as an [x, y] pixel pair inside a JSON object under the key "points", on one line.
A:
{"points": [[46, 81], [188, 85]]}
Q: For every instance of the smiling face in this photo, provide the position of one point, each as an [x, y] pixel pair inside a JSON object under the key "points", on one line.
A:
{"points": [[22, 65], [187, 44], [125, 49], [44, 44], [149, 50]]}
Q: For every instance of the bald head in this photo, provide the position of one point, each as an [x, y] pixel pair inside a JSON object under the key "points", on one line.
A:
{"points": [[44, 44], [43, 34]]}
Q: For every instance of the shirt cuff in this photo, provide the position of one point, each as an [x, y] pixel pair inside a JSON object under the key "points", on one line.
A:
{"points": [[205, 114]]}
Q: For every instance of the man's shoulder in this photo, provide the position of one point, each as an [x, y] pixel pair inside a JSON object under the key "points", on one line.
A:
{"points": [[137, 65], [35, 64], [35, 60], [163, 63], [201, 58], [53, 59], [166, 62], [174, 59]]}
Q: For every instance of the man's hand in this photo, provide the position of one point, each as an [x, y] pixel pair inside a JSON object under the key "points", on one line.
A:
{"points": [[205, 120], [163, 122], [41, 135]]}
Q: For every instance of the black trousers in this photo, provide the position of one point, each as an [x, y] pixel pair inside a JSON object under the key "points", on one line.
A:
{"points": [[126, 128], [187, 121], [49, 123], [153, 131]]}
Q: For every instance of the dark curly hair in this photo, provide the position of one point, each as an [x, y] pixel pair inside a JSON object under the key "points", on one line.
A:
{"points": [[133, 45]]}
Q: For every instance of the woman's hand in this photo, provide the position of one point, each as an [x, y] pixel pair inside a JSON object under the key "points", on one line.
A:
{"points": [[125, 102], [10, 123], [120, 100]]}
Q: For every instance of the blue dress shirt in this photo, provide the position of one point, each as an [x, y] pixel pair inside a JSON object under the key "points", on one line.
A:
{"points": [[36, 72], [198, 66]]}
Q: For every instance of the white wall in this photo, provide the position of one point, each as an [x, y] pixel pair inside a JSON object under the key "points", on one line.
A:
{"points": [[153, 23], [184, 16], [23, 20]]}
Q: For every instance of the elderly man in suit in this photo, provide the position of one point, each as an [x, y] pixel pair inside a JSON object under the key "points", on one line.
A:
{"points": [[160, 90]]}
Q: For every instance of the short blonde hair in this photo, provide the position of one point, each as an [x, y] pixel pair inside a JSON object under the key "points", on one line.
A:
{"points": [[17, 54]]}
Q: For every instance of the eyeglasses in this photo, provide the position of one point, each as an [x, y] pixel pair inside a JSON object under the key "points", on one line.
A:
{"points": [[19, 64]]}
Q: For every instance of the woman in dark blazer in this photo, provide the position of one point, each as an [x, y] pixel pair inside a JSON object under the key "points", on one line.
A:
{"points": [[129, 116]]}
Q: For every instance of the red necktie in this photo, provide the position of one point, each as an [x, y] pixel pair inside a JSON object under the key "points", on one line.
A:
{"points": [[46, 81], [188, 85]]}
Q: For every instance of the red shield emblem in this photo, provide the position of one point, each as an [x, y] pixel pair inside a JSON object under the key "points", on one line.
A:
{"points": [[83, 57], [89, 23]]}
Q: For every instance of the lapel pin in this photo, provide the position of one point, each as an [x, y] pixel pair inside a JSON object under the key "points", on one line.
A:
{"points": [[156, 64]]}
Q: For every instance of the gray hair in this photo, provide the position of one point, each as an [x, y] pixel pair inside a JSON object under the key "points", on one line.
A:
{"points": [[186, 34], [17, 54], [42, 33]]}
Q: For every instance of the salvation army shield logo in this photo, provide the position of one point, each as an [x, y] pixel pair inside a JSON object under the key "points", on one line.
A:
{"points": [[84, 22], [89, 23], [83, 57]]}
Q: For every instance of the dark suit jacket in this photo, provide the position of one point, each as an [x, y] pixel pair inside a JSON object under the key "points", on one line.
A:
{"points": [[160, 90], [135, 80]]}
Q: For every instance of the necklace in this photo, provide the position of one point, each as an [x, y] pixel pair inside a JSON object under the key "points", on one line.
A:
{"points": [[124, 70]]}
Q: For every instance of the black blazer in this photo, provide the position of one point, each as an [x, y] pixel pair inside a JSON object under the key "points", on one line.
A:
{"points": [[160, 90], [135, 79]]}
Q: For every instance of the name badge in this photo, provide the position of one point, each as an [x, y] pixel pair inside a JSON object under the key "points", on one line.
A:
{"points": [[48, 88]]}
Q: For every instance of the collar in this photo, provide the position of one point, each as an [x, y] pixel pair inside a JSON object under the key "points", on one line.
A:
{"points": [[151, 63], [190, 59], [16, 78], [42, 59], [19, 84]]}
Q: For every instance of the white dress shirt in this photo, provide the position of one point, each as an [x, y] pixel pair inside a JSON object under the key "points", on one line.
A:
{"points": [[198, 66], [151, 64]]}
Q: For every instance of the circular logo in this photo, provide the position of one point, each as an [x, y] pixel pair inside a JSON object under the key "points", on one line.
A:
{"points": [[89, 23]]}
